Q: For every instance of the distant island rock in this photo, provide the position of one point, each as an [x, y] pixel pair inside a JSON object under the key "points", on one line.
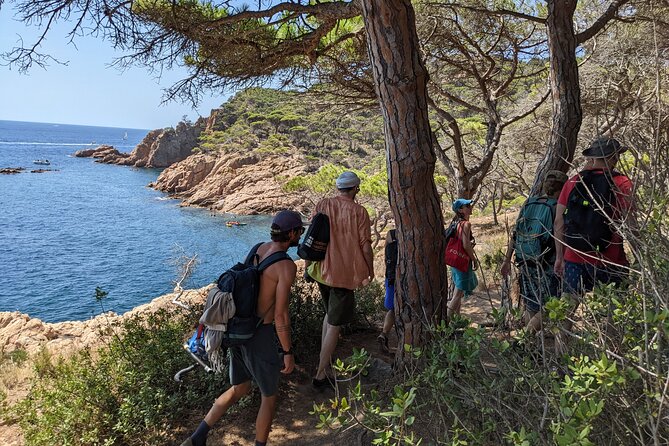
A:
{"points": [[159, 148], [11, 170]]}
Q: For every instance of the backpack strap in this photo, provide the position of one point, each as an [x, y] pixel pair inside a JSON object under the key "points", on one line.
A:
{"points": [[393, 237], [252, 256], [266, 263], [272, 259]]}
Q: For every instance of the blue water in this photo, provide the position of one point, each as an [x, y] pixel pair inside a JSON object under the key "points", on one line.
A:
{"points": [[88, 225]]}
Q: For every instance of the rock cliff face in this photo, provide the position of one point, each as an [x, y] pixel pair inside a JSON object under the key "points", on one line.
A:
{"points": [[159, 148], [244, 185]]}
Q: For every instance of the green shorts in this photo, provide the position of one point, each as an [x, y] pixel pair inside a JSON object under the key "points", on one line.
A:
{"points": [[339, 304]]}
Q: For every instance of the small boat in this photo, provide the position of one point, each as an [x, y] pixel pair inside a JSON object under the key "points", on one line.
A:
{"points": [[42, 162], [125, 137], [230, 224]]}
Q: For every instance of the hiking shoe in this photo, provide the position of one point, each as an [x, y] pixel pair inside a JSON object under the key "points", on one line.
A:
{"points": [[321, 383], [383, 343], [189, 442]]}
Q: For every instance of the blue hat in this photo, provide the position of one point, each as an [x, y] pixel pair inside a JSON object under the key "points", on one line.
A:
{"points": [[457, 204]]}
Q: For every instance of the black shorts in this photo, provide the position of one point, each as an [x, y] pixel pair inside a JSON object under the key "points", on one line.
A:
{"points": [[258, 360], [339, 304]]}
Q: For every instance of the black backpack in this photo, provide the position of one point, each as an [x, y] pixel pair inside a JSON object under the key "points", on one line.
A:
{"points": [[589, 209], [230, 314], [391, 257], [316, 239]]}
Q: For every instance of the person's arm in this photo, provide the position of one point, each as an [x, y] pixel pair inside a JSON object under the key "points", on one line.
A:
{"points": [[506, 264], [626, 207], [466, 233], [558, 232], [287, 274], [365, 231], [369, 258]]}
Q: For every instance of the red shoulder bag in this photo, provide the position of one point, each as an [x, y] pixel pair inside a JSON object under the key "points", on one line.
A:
{"points": [[455, 254]]}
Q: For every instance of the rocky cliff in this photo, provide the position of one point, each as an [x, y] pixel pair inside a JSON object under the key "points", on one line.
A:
{"points": [[159, 148], [238, 184]]}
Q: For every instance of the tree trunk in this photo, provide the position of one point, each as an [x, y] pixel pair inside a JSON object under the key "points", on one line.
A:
{"points": [[401, 79], [565, 90]]}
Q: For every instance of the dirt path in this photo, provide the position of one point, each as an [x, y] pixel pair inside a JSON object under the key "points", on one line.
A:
{"points": [[293, 425]]}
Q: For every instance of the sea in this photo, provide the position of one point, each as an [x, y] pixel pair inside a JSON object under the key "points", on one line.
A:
{"points": [[84, 225]]}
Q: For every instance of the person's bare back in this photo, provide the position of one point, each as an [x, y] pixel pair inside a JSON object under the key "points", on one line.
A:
{"points": [[275, 283]]}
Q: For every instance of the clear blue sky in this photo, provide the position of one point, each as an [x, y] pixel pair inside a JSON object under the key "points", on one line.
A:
{"points": [[86, 91]]}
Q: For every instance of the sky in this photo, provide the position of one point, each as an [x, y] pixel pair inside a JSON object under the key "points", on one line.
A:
{"points": [[86, 91]]}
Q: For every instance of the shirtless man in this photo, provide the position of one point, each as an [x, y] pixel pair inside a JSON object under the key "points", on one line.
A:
{"points": [[259, 359]]}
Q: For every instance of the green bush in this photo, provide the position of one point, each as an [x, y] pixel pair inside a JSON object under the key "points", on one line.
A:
{"points": [[16, 357], [306, 318], [125, 395], [469, 386]]}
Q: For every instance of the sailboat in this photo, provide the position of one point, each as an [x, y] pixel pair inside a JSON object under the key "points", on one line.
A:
{"points": [[125, 137]]}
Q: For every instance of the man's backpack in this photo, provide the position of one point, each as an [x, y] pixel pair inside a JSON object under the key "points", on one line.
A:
{"points": [[391, 257], [316, 239], [533, 239], [230, 313], [589, 210]]}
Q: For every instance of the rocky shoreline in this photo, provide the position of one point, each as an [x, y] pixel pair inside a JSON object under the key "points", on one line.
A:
{"points": [[159, 148], [246, 184], [20, 332]]}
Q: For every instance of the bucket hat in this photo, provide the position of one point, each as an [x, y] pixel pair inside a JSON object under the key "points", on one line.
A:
{"points": [[604, 147]]}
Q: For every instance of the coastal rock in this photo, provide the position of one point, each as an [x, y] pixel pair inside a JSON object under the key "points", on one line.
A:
{"points": [[238, 184], [19, 331], [159, 148], [184, 176], [104, 152], [11, 170]]}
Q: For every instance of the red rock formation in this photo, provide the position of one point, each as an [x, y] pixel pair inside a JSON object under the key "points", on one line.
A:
{"points": [[159, 148], [242, 184]]}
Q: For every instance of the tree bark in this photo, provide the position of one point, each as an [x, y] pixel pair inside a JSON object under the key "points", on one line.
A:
{"points": [[565, 90], [400, 80]]}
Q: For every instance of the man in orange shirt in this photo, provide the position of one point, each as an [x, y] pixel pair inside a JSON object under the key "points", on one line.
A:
{"points": [[348, 264]]}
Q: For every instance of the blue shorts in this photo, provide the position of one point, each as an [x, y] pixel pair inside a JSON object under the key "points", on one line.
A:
{"points": [[466, 282], [580, 278], [258, 360], [389, 300]]}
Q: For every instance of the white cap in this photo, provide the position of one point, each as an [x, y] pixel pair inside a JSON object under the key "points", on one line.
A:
{"points": [[347, 180]]}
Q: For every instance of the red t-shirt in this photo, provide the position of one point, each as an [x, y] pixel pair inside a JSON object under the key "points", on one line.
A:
{"points": [[615, 252]]}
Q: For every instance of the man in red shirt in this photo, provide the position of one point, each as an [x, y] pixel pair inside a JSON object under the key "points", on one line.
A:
{"points": [[582, 260]]}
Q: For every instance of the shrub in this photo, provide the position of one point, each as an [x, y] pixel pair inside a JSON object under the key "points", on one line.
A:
{"points": [[469, 386], [306, 318], [127, 395]]}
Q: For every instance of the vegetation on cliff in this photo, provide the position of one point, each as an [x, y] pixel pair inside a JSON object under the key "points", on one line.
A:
{"points": [[266, 120]]}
